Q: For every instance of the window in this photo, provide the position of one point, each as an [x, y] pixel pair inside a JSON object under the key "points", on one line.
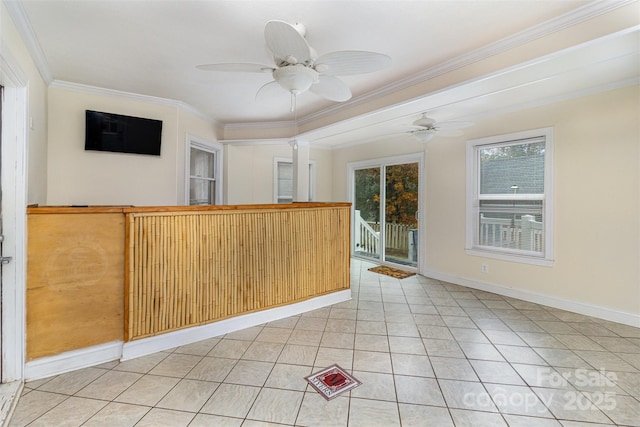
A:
{"points": [[204, 169], [509, 197], [283, 188]]}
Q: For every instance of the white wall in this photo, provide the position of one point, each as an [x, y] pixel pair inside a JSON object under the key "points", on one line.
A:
{"points": [[596, 206], [79, 177], [13, 47], [250, 177]]}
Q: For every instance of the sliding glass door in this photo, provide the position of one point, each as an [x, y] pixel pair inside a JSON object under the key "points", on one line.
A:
{"points": [[386, 204]]}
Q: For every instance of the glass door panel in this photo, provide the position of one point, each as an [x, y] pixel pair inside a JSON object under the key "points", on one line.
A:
{"points": [[400, 234], [367, 213]]}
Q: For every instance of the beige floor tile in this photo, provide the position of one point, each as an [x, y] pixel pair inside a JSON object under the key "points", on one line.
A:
{"points": [[72, 412], [232, 349], [466, 395], [212, 369], [286, 323], [453, 369], [188, 395], [419, 416], [33, 405], [117, 414], [524, 421], [563, 404], [407, 345], [142, 364], [72, 382], [329, 356], [372, 361], [247, 334], [411, 364], [231, 400], [496, 372], [371, 328], [372, 342], [148, 390], [165, 418], [109, 385], [374, 386], [274, 335], [263, 351], [517, 400], [249, 372], [200, 348], [317, 411], [205, 420], [477, 419], [176, 365], [337, 340], [312, 323], [341, 325], [298, 355], [276, 406], [305, 337], [288, 377], [373, 413], [418, 390]]}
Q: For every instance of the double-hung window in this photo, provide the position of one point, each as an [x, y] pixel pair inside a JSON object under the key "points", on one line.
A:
{"points": [[283, 173], [204, 169], [509, 182]]}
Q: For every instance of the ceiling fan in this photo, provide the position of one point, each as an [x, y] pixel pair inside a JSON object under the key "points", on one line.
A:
{"points": [[298, 68], [425, 128]]}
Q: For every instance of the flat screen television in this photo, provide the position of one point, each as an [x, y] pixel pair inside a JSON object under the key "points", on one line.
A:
{"points": [[122, 134]]}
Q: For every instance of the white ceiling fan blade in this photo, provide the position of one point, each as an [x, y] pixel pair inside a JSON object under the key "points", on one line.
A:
{"points": [[349, 62], [269, 91], [453, 125], [238, 67], [286, 42], [331, 88], [450, 132]]}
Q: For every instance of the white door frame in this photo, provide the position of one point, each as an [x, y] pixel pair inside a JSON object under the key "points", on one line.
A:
{"points": [[388, 161], [14, 196]]}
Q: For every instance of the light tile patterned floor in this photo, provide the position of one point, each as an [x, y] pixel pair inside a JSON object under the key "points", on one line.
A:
{"points": [[428, 354]]}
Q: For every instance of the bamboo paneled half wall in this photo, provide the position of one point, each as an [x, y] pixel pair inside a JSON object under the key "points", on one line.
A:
{"points": [[192, 267]]}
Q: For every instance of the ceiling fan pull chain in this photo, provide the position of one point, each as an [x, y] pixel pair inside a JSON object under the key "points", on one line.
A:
{"points": [[293, 102]]}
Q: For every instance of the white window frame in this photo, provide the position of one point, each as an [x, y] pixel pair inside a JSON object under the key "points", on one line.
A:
{"points": [[312, 177], [472, 195], [211, 147]]}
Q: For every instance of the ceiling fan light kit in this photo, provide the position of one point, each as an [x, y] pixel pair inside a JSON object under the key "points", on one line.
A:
{"points": [[295, 78], [298, 68]]}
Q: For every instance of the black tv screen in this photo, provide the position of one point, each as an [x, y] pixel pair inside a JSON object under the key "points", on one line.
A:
{"points": [[122, 134]]}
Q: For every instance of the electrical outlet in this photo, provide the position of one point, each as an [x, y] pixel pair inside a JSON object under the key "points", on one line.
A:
{"points": [[485, 268]]}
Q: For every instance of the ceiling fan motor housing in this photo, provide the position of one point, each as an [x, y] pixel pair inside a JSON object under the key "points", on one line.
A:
{"points": [[295, 78]]}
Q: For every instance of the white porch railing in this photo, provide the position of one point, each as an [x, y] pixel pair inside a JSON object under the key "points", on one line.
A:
{"points": [[525, 234], [365, 237]]}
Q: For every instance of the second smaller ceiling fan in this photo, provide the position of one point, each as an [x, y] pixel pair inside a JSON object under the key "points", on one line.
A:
{"points": [[425, 128]]}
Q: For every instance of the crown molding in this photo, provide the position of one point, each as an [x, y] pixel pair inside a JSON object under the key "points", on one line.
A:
{"points": [[267, 141], [22, 23], [134, 97], [584, 13], [260, 125]]}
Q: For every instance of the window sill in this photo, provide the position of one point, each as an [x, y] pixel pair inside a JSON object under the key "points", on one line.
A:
{"points": [[510, 257]]}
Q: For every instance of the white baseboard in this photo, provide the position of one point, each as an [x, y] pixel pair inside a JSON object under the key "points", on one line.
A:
{"points": [[605, 313], [91, 356], [169, 340], [72, 360]]}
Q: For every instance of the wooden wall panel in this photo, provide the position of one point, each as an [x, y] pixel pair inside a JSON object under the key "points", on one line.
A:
{"points": [[191, 268], [75, 281]]}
